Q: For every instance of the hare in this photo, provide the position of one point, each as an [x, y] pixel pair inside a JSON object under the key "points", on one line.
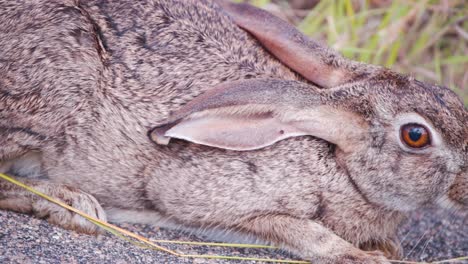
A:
{"points": [[215, 116]]}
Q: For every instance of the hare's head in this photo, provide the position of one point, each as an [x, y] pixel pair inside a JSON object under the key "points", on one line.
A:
{"points": [[403, 143], [411, 148]]}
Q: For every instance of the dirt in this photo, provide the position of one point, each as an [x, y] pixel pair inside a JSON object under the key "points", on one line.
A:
{"points": [[429, 235]]}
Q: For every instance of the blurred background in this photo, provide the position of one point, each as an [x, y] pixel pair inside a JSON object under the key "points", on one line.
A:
{"points": [[427, 39]]}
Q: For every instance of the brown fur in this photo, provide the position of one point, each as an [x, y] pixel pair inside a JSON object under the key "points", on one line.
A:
{"points": [[81, 84]]}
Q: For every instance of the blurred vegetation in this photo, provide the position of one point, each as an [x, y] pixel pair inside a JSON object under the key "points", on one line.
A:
{"points": [[425, 38]]}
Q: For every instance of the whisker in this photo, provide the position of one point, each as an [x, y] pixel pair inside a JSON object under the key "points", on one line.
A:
{"points": [[416, 245], [405, 237], [425, 247]]}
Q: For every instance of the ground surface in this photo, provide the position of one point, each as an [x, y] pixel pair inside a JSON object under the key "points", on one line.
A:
{"points": [[429, 235]]}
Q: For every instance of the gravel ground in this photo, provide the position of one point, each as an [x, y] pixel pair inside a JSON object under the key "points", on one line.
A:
{"points": [[428, 236]]}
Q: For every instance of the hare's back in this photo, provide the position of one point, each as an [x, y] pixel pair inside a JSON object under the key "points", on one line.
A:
{"points": [[47, 49], [146, 54], [166, 52]]}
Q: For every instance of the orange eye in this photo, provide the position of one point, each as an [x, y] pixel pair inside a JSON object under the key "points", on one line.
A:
{"points": [[415, 136]]}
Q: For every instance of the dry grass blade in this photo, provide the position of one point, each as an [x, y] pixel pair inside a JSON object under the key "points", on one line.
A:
{"points": [[146, 243], [428, 39]]}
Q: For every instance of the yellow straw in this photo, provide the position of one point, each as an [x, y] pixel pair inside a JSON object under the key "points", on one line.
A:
{"points": [[146, 243], [112, 229]]}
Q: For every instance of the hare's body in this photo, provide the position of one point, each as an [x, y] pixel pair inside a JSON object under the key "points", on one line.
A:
{"points": [[82, 84], [140, 76], [128, 80]]}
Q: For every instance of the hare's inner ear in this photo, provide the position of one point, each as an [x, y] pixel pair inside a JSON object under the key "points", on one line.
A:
{"points": [[315, 62], [254, 114], [230, 129]]}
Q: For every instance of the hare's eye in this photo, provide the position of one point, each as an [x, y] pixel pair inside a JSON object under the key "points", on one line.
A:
{"points": [[415, 136]]}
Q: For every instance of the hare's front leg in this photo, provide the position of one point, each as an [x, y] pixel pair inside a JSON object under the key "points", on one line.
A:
{"points": [[17, 199], [310, 240]]}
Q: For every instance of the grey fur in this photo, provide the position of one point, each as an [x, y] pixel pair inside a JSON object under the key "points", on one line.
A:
{"points": [[81, 84]]}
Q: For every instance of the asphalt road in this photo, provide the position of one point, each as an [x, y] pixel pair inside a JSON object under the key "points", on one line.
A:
{"points": [[429, 235]]}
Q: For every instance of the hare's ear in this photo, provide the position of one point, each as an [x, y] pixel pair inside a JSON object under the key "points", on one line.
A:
{"points": [[313, 61], [253, 114]]}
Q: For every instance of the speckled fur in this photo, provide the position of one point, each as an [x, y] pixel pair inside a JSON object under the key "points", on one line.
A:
{"points": [[81, 84]]}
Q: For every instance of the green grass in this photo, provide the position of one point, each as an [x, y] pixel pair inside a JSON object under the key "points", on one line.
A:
{"points": [[424, 38]]}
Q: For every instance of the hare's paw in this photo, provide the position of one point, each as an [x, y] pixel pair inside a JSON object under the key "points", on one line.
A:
{"points": [[60, 216], [362, 257], [17, 199], [354, 256], [391, 247]]}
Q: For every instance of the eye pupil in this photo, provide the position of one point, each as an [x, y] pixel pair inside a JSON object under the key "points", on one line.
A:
{"points": [[415, 133]]}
